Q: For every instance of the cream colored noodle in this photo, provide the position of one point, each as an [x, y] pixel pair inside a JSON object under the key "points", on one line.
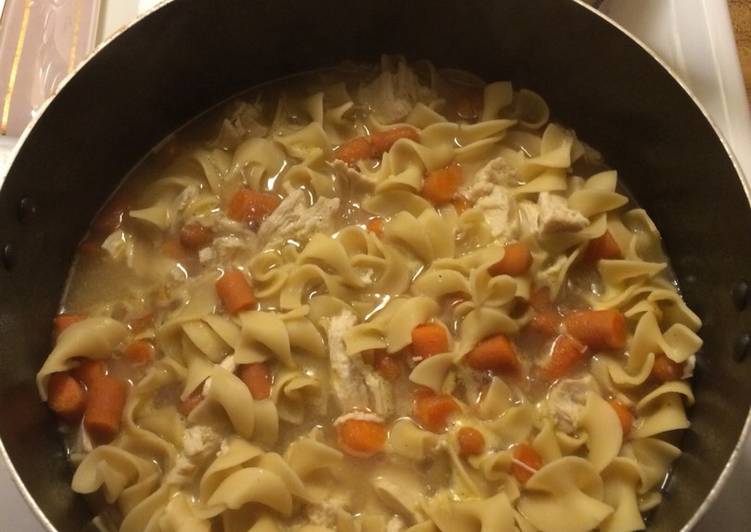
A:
{"points": [[330, 292]]}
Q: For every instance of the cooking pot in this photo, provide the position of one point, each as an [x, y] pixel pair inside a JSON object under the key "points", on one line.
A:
{"points": [[192, 54]]}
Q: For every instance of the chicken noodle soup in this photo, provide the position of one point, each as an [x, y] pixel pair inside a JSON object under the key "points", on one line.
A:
{"points": [[372, 299]]}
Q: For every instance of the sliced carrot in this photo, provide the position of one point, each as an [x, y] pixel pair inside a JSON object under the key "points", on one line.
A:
{"points": [[516, 261], [382, 141], [665, 370], [471, 441], [440, 186], [353, 150], [187, 405], [142, 323], [375, 226], [248, 205], [496, 353], [527, 462], [361, 437], [387, 366], [603, 247], [235, 291], [257, 378], [195, 236], [540, 300], [175, 250], [63, 321], [545, 321], [624, 415], [91, 246], [111, 216], [105, 407], [140, 352], [461, 204], [433, 411], [598, 329], [66, 397], [429, 339], [90, 371], [567, 353]]}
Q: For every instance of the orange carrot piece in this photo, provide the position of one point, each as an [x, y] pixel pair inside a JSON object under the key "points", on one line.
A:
{"points": [[387, 366], [195, 236], [624, 415], [257, 378], [665, 370], [440, 186], [429, 339], [598, 329], [361, 437], [354, 150], [175, 250], [235, 291], [567, 353], [382, 141], [248, 205], [527, 462], [140, 352], [461, 204], [187, 405], [66, 397], [375, 226], [89, 371], [471, 441], [496, 353], [546, 320], [432, 410], [603, 247], [91, 246], [516, 261], [111, 216], [105, 407], [63, 321], [540, 300]]}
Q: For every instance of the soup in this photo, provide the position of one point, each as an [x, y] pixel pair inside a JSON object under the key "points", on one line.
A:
{"points": [[372, 299]]}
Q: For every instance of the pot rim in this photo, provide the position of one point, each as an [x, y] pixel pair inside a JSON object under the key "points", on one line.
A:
{"points": [[732, 461]]}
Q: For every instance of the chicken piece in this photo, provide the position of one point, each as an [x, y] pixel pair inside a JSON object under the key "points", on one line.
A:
{"points": [[324, 514], [346, 172], [200, 441], [392, 95], [529, 218], [293, 219], [495, 172], [396, 524], [499, 209], [355, 383], [556, 216], [566, 400]]}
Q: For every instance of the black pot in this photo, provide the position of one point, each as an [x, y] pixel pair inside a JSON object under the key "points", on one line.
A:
{"points": [[192, 54]]}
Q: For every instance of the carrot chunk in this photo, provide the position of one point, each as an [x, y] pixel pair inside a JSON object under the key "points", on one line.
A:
{"points": [[545, 321], [105, 407], [175, 250], [527, 462], [361, 437], [624, 415], [471, 441], [187, 405], [382, 141], [66, 397], [387, 366], [567, 353], [111, 216], [429, 339], [516, 261], [195, 236], [440, 186], [665, 370], [140, 352], [63, 321], [433, 411], [89, 371], [496, 353], [598, 329], [257, 378], [353, 150], [375, 226], [603, 247], [235, 291], [248, 205]]}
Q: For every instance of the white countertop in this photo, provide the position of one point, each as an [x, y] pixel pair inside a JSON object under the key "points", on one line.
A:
{"points": [[695, 37]]}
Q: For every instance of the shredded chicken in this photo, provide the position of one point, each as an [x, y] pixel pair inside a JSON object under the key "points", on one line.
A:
{"points": [[392, 95], [566, 400], [556, 216], [499, 209], [496, 172], [294, 220]]}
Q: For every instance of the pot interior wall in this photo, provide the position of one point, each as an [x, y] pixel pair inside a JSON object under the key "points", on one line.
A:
{"points": [[192, 54]]}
